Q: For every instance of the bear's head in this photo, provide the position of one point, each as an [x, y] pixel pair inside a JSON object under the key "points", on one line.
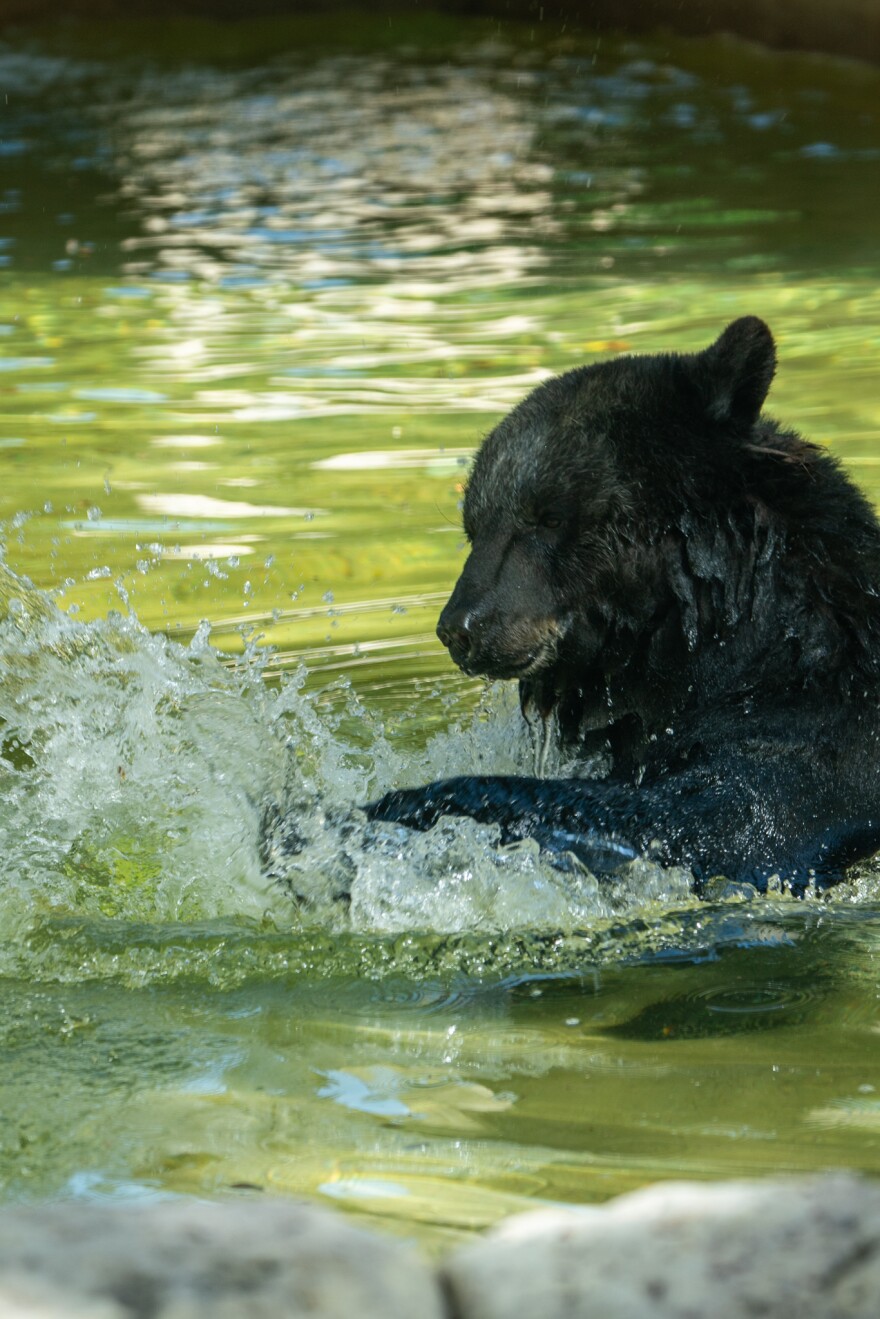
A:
{"points": [[571, 495], [645, 544]]}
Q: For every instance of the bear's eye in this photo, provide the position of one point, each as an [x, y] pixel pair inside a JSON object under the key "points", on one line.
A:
{"points": [[550, 521]]}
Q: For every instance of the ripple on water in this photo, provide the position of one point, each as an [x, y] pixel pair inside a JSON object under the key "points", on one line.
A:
{"points": [[721, 1010]]}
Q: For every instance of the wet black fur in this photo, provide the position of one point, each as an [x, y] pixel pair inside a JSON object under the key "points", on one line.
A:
{"points": [[691, 590]]}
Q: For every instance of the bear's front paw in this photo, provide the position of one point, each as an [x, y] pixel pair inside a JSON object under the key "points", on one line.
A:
{"points": [[414, 807], [420, 808]]}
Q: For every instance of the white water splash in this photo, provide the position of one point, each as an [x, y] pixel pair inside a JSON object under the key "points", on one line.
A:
{"points": [[147, 781]]}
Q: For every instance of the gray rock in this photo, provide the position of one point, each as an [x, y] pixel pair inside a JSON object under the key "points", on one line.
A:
{"points": [[185, 1260], [798, 1249]]}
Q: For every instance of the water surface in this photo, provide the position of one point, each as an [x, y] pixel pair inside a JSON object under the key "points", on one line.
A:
{"points": [[256, 313]]}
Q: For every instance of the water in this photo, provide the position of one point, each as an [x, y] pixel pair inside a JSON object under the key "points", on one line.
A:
{"points": [[256, 311]]}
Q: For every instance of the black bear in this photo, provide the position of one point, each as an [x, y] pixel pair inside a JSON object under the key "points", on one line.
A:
{"points": [[691, 589]]}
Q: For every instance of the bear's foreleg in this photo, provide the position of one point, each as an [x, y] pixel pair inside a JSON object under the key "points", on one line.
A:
{"points": [[736, 824]]}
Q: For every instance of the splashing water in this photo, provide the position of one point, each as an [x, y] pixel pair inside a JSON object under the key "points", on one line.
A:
{"points": [[149, 782], [122, 795], [168, 813]]}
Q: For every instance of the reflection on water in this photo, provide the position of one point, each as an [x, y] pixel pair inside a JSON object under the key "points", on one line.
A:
{"points": [[255, 316], [422, 172], [204, 506], [443, 1113]]}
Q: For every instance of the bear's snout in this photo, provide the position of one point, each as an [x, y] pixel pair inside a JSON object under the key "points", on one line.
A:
{"points": [[498, 646], [501, 620], [456, 630]]}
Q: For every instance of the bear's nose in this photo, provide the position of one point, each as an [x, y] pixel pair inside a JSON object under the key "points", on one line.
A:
{"points": [[457, 629], [455, 636]]}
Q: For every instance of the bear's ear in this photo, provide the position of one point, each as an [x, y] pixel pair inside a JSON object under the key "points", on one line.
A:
{"points": [[735, 372]]}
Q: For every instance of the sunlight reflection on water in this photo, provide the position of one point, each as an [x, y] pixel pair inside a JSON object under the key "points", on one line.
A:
{"points": [[234, 182]]}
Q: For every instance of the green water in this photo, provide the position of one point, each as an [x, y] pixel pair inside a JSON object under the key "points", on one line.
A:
{"points": [[259, 300]]}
